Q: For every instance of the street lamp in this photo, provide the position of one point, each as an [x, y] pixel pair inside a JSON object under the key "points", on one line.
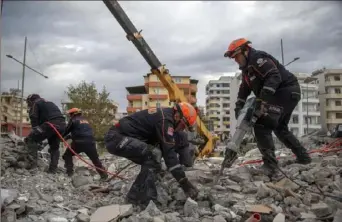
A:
{"points": [[39, 73], [22, 83], [295, 59]]}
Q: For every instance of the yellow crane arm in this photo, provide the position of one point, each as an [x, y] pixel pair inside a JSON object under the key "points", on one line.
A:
{"points": [[157, 68]]}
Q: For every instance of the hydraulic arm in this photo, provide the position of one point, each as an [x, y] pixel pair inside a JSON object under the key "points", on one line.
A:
{"points": [[175, 94]]}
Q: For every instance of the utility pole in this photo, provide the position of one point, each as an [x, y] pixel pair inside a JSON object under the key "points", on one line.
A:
{"points": [[17, 108], [282, 51], [22, 89]]}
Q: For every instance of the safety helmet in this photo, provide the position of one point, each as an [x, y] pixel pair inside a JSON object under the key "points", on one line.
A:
{"points": [[237, 46], [187, 112], [31, 98], [74, 111]]}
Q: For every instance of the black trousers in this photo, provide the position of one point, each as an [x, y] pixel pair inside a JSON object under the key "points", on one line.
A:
{"points": [[286, 98], [82, 146], [144, 188], [42, 132]]}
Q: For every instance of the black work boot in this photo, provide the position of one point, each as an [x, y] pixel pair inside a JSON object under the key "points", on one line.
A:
{"points": [[70, 173], [303, 157]]}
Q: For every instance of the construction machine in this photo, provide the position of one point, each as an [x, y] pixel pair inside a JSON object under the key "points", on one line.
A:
{"points": [[157, 68]]}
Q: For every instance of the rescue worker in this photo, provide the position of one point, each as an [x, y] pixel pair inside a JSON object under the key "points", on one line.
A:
{"points": [[42, 112], [278, 93], [137, 136], [81, 133]]}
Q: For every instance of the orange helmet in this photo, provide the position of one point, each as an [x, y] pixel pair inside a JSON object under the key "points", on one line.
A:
{"points": [[188, 113], [237, 46], [74, 111]]}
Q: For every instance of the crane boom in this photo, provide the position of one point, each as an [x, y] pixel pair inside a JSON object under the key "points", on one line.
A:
{"points": [[175, 94]]}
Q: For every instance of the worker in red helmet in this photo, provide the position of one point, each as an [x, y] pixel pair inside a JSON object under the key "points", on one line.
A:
{"points": [[144, 138], [278, 93], [83, 141], [42, 112]]}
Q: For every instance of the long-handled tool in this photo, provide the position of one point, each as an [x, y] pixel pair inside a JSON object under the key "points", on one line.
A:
{"points": [[245, 122]]}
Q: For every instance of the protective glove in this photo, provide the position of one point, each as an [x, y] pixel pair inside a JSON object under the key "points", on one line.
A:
{"points": [[25, 140], [154, 156], [189, 189], [67, 137], [260, 108]]}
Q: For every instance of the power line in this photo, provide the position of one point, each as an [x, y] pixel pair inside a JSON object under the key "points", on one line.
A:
{"points": [[35, 57]]}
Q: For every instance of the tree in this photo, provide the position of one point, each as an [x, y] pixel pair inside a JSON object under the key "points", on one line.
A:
{"points": [[96, 106]]}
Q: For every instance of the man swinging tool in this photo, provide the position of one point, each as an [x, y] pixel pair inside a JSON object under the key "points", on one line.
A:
{"points": [[278, 93], [135, 138], [42, 112], [81, 133]]}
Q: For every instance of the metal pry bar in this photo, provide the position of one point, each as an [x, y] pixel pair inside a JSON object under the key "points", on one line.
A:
{"points": [[132, 33]]}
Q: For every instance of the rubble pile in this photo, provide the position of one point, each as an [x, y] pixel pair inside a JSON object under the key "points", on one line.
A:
{"points": [[310, 193]]}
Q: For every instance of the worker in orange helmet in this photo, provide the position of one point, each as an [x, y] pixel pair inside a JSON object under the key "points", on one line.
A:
{"points": [[278, 93], [81, 133], [145, 137]]}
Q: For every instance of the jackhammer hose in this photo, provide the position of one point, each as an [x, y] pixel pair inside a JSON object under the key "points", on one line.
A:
{"points": [[79, 157]]}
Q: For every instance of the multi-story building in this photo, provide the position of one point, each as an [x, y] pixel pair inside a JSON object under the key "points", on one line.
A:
{"points": [[330, 97], [10, 113], [306, 116], [154, 94], [218, 105]]}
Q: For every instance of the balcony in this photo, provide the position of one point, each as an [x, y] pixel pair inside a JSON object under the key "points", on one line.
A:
{"points": [[153, 84], [157, 96], [183, 85], [333, 96], [134, 97], [133, 109], [333, 83], [333, 108]]}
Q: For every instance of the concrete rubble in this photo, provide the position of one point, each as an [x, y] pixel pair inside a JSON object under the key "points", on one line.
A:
{"points": [[33, 195]]}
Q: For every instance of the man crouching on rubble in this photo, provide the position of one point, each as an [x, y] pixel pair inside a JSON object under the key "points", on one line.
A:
{"points": [[42, 112], [81, 133], [135, 137], [278, 93]]}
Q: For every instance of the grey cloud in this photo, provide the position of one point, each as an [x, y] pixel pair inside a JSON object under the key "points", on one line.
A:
{"points": [[189, 37]]}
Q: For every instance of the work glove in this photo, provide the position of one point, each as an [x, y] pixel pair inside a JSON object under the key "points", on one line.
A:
{"points": [[189, 189], [67, 137], [260, 108]]}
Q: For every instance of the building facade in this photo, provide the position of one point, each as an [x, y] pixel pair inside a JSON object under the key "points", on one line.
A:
{"points": [[218, 105], [10, 114], [153, 94], [306, 116], [330, 97]]}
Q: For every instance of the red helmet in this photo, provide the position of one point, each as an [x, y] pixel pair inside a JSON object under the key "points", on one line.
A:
{"points": [[74, 111], [188, 113], [237, 46]]}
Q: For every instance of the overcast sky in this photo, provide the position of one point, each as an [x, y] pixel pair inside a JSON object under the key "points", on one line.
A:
{"points": [[74, 41]]}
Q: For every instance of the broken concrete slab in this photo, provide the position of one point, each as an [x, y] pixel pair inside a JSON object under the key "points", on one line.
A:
{"points": [[111, 212]]}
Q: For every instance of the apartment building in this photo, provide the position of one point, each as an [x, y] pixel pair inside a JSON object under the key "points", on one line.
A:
{"points": [[306, 116], [218, 105], [330, 97], [10, 113], [154, 94]]}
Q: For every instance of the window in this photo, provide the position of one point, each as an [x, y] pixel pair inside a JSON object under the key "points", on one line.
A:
{"points": [[295, 119], [327, 102], [337, 91], [145, 103], [338, 103], [178, 80], [337, 78], [338, 115]]}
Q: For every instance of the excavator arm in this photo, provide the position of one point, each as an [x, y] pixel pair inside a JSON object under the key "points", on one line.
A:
{"points": [[175, 94]]}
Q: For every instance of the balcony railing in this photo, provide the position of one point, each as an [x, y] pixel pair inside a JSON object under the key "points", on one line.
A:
{"points": [[134, 97]]}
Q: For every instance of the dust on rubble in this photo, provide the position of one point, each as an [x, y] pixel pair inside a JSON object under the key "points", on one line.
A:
{"points": [[28, 195]]}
